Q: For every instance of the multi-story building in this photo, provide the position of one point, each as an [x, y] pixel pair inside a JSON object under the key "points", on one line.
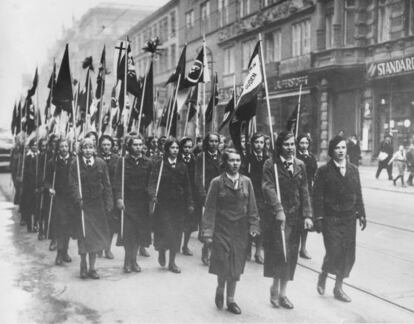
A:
{"points": [[162, 23], [350, 60]]}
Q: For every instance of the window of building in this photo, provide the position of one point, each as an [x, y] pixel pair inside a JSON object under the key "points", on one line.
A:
{"points": [[329, 30], [244, 8], [223, 12], [301, 38], [229, 60], [173, 56], [349, 21], [384, 17], [411, 17], [205, 10], [173, 27], [189, 19], [273, 45]]}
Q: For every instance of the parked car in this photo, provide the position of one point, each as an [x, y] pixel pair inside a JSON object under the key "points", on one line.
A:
{"points": [[6, 145]]}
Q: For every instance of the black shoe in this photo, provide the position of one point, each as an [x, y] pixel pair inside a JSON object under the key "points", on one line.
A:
{"points": [[93, 274], [161, 258], [108, 254], [234, 308], [52, 245], [204, 255], [83, 272], [219, 300], [143, 252], [305, 255], [173, 268], [258, 259], [285, 302], [321, 284], [59, 259], [187, 251], [135, 267], [274, 298], [340, 295], [127, 268], [66, 258]]}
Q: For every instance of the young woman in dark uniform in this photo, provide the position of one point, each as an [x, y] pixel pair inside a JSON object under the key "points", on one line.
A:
{"points": [[292, 214], [173, 201], [337, 202], [229, 218]]}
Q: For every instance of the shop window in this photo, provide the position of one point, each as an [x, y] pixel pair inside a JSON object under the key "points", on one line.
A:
{"points": [[384, 18], [173, 28], [247, 50], [349, 28], [244, 8], [189, 19], [273, 45], [229, 60], [301, 38], [205, 11], [223, 12]]}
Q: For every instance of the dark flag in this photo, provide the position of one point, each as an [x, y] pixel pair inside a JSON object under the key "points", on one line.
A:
{"points": [[164, 115], [247, 103], [134, 113], [16, 119], [192, 102], [212, 102], [180, 69], [228, 113], [148, 93], [85, 95], [63, 92], [30, 124], [173, 127], [133, 85], [120, 65], [32, 90], [100, 79], [292, 121], [196, 72], [51, 85]]}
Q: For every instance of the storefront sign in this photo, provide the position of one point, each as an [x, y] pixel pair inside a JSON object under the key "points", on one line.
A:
{"points": [[391, 67], [291, 83]]}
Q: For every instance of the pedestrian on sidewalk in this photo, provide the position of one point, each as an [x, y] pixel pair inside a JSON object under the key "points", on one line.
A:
{"points": [[57, 183], [400, 160], [173, 201], [96, 202], [135, 202], [290, 216], [337, 202], [384, 156], [303, 153], [410, 164], [229, 218]]}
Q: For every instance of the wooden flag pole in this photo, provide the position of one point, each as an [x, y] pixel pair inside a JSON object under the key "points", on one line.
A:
{"points": [[298, 115], [186, 121], [123, 195], [272, 140], [101, 97], [141, 106], [173, 105], [126, 119], [87, 117], [51, 200]]}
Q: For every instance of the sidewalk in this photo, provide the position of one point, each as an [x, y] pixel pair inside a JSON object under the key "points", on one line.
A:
{"points": [[367, 174]]}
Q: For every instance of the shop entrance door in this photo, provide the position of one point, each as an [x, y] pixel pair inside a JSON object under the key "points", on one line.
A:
{"points": [[344, 114]]}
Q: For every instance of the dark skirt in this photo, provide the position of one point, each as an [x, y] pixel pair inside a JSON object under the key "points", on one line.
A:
{"points": [[229, 247], [339, 235], [168, 227], [192, 220], [275, 265], [62, 217]]}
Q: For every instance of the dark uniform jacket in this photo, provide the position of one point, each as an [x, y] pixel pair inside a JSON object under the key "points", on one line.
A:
{"points": [[311, 167], [253, 168], [212, 170]]}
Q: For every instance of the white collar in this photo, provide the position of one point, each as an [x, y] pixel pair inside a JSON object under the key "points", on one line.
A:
{"points": [[31, 153], [339, 165], [172, 161], [92, 159], [233, 177], [284, 160]]}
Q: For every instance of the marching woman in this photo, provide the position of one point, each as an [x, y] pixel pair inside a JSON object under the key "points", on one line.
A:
{"points": [[207, 167], [41, 211], [192, 219], [337, 202], [96, 202], [106, 144], [173, 201], [229, 218], [303, 154], [57, 183], [29, 187], [135, 203], [290, 215], [253, 168]]}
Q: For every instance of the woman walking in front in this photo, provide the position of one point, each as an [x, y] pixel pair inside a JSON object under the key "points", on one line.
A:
{"points": [[96, 202], [230, 216], [337, 202], [292, 214]]}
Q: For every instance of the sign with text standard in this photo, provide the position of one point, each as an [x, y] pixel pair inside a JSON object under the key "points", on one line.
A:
{"points": [[390, 67]]}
